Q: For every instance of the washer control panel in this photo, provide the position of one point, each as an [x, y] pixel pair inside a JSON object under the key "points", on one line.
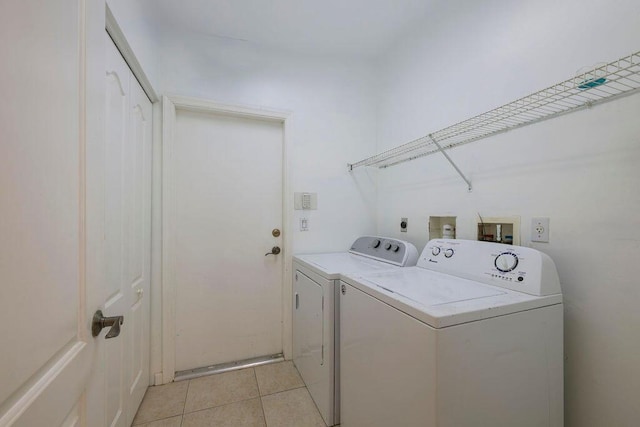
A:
{"points": [[514, 267], [393, 251]]}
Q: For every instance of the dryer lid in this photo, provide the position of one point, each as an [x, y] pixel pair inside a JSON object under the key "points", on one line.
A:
{"points": [[343, 262]]}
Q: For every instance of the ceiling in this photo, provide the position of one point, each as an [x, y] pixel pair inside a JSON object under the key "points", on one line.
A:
{"points": [[342, 27]]}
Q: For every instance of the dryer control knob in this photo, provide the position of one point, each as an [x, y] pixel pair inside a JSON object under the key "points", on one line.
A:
{"points": [[448, 253], [387, 246], [376, 243], [435, 251], [395, 248]]}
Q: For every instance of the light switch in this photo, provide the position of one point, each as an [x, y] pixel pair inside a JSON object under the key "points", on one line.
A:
{"points": [[304, 224]]}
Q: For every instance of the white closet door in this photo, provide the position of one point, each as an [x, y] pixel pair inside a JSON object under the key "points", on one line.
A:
{"points": [[127, 216], [115, 292], [138, 245], [50, 249], [74, 204]]}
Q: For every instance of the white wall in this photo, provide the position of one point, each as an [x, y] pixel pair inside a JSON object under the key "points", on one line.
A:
{"points": [[581, 170], [333, 121]]}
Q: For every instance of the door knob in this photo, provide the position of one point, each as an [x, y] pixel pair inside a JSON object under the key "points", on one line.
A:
{"points": [[274, 251], [99, 322]]}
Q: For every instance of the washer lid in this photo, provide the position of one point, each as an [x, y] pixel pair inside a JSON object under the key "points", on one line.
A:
{"points": [[434, 289], [442, 300]]}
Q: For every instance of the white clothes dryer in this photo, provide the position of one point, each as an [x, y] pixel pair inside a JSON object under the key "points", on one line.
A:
{"points": [[316, 279], [471, 336]]}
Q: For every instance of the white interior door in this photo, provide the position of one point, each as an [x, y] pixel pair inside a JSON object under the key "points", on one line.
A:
{"points": [[50, 250], [127, 219], [138, 243], [226, 198]]}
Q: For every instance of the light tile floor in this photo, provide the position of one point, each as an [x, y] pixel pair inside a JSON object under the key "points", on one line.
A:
{"points": [[265, 396]]}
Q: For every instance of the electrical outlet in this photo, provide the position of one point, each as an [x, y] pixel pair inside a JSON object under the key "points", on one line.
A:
{"points": [[403, 224], [540, 230]]}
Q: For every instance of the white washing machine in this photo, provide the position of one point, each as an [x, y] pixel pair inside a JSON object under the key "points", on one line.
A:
{"points": [[316, 279], [471, 336]]}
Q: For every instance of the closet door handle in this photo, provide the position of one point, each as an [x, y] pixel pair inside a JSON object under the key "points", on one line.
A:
{"points": [[297, 301], [100, 322]]}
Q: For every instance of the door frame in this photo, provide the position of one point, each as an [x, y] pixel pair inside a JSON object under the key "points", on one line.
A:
{"points": [[120, 40], [170, 104]]}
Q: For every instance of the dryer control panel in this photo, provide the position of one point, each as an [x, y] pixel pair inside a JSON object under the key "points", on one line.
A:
{"points": [[514, 267], [393, 251]]}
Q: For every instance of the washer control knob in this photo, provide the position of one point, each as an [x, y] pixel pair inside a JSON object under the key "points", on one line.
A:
{"points": [[387, 246], [395, 248], [435, 251], [506, 261], [448, 253], [376, 243]]}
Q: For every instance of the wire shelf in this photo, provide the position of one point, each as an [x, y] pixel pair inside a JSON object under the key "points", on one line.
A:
{"points": [[602, 83]]}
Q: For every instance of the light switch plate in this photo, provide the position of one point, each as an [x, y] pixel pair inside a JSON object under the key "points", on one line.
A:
{"points": [[305, 201], [540, 230]]}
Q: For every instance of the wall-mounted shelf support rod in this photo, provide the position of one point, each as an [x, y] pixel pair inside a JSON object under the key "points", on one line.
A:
{"points": [[444, 153]]}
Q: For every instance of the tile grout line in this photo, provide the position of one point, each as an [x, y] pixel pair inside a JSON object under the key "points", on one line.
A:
{"points": [[307, 388], [157, 419], [284, 391], [255, 375], [185, 403], [161, 418], [260, 395], [184, 412]]}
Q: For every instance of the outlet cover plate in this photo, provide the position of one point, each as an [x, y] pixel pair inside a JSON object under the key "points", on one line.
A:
{"points": [[540, 229]]}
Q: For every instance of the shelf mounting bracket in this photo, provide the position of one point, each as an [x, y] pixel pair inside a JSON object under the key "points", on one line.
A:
{"points": [[444, 153]]}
